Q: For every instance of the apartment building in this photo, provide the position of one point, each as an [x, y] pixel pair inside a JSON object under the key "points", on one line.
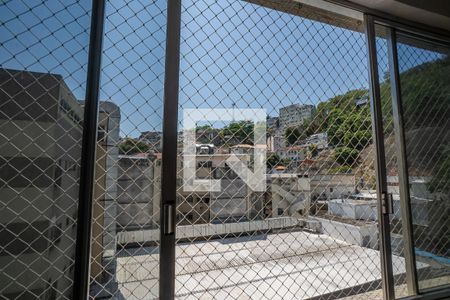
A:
{"points": [[289, 195], [294, 114], [41, 122], [104, 232], [234, 202]]}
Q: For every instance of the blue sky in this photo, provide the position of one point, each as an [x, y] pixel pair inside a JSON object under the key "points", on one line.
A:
{"points": [[232, 53], [51, 37], [236, 52]]}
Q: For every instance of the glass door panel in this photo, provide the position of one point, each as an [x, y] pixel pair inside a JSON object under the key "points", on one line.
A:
{"points": [[400, 261], [312, 230], [424, 80], [126, 243]]}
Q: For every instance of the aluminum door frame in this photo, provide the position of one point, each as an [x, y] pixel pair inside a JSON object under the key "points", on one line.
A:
{"points": [[387, 278], [169, 157], [88, 154], [399, 134]]}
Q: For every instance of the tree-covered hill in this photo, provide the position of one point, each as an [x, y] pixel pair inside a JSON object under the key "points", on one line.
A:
{"points": [[426, 104]]}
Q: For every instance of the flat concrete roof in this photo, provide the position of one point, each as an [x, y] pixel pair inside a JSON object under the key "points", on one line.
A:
{"points": [[291, 265]]}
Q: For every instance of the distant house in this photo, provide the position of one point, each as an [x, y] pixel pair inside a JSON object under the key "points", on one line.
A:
{"points": [[208, 136], [294, 153], [242, 149], [289, 194], [362, 101], [319, 139], [332, 186], [278, 170], [205, 148]]}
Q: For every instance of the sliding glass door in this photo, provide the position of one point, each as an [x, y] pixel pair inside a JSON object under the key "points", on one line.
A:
{"points": [[413, 94], [424, 69]]}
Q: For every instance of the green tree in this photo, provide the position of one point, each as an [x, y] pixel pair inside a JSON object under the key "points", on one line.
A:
{"points": [[313, 150], [241, 131], [318, 121], [273, 160], [346, 156], [346, 124], [440, 182], [130, 146], [293, 135], [203, 128], [286, 162]]}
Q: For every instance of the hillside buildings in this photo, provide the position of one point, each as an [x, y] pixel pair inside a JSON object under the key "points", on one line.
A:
{"points": [[293, 115], [46, 115], [293, 153], [272, 123], [362, 101], [318, 139], [289, 116], [209, 136], [153, 139]]}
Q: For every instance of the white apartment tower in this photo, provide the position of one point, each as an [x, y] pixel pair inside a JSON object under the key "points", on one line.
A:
{"points": [[294, 115]]}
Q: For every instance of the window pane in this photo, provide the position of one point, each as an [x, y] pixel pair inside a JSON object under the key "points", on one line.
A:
{"points": [[43, 62], [126, 239], [425, 91]]}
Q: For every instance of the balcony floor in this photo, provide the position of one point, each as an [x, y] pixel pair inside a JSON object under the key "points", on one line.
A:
{"points": [[291, 265]]}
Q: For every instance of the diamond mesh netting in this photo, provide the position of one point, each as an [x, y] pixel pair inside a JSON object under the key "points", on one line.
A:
{"points": [[275, 165], [43, 64]]}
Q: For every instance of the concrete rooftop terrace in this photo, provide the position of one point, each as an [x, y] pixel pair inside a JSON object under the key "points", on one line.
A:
{"points": [[290, 265]]}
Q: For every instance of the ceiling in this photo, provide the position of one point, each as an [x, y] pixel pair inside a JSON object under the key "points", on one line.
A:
{"points": [[434, 13]]}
